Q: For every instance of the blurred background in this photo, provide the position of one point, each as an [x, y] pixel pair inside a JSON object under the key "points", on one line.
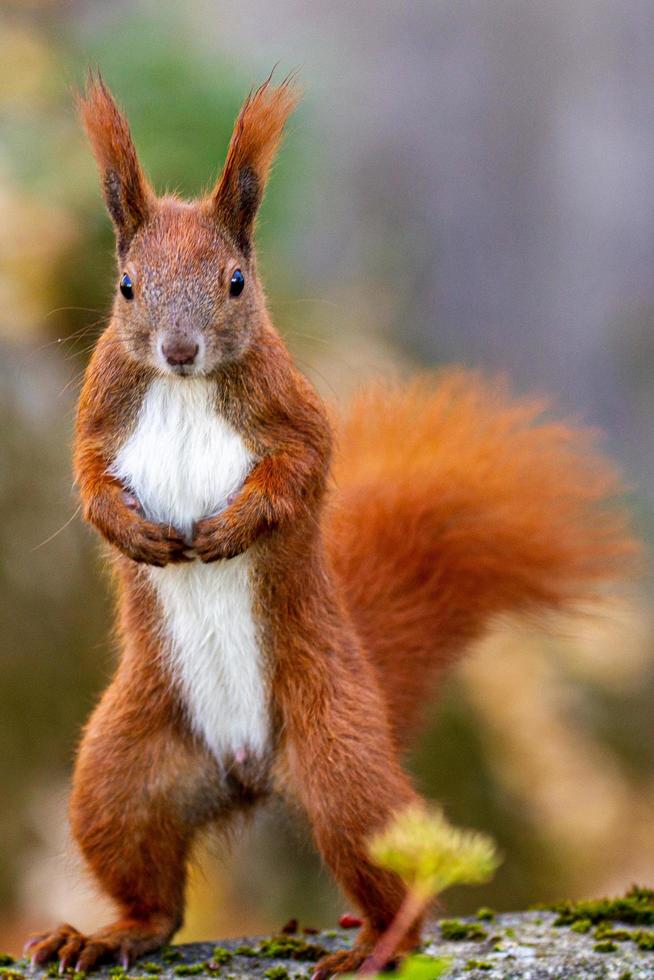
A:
{"points": [[466, 181]]}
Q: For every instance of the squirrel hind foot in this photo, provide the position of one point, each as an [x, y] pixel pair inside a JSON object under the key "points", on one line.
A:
{"points": [[344, 961], [122, 942]]}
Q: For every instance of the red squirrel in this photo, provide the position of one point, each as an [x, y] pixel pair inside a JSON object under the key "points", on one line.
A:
{"points": [[284, 609]]}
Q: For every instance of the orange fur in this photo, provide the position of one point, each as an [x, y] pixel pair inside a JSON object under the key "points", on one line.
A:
{"points": [[452, 504], [457, 503], [254, 143], [127, 192]]}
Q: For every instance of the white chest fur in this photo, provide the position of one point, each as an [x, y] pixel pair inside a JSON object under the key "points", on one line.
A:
{"points": [[182, 461]]}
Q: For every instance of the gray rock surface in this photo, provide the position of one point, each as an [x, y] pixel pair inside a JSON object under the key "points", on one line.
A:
{"points": [[519, 946]]}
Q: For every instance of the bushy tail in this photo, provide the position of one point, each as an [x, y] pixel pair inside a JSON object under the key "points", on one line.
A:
{"points": [[454, 504]]}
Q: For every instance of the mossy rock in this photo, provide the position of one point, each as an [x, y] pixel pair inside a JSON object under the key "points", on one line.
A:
{"points": [[534, 945]]}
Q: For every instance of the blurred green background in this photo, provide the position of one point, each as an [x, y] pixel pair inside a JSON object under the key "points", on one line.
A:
{"points": [[464, 181]]}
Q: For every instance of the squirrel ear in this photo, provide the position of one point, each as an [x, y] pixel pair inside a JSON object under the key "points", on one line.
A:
{"points": [[127, 194], [256, 137]]}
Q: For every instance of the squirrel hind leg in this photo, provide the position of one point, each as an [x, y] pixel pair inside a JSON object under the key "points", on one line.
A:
{"points": [[343, 768], [142, 789]]}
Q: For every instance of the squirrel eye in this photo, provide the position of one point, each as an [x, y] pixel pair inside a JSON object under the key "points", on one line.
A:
{"points": [[236, 283], [126, 287]]}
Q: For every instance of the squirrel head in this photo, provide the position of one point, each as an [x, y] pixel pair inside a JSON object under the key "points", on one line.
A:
{"points": [[188, 299]]}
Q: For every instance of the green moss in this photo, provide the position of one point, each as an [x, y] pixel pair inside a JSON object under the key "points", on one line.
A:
{"points": [[6, 959], [8, 973], [290, 948], [644, 939], [454, 929], [277, 973], [245, 951], [114, 971], [509, 933], [478, 965], [636, 907], [331, 934], [485, 914], [220, 956], [170, 955], [151, 967], [276, 948], [606, 931], [188, 969], [605, 947]]}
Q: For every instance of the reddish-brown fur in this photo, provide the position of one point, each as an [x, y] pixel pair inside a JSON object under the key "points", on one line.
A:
{"points": [[457, 503], [254, 142], [127, 193], [451, 504]]}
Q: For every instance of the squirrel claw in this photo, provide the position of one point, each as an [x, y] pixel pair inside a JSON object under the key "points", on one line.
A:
{"points": [[49, 945]]}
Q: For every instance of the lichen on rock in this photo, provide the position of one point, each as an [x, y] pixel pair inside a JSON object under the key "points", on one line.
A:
{"points": [[607, 939]]}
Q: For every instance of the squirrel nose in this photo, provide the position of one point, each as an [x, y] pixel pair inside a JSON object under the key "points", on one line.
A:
{"points": [[179, 351]]}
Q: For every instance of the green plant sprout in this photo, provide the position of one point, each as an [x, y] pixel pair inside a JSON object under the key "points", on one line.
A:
{"points": [[420, 966], [429, 855]]}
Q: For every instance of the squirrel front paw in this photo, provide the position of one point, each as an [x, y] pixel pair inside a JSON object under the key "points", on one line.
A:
{"points": [[154, 544], [118, 515], [216, 538]]}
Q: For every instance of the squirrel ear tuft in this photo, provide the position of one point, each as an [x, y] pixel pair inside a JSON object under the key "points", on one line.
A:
{"points": [[127, 194], [257, 134]]}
